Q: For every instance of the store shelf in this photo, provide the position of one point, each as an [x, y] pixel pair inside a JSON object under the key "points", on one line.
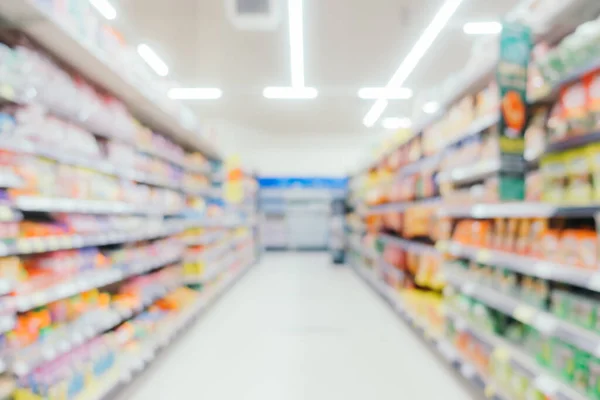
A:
{"points": [[470, 173], [66, 338], [131, 367], [423, 164], [218, 223], [204, 239], [476, 128], [95, 65], [543, 321], [63, 242], [543, 379], [213, 272], [516, 210], [83, 282], [402, 206], [573, 142], [8, 180], [557, 272], [436, 343], [570, 78], [90, 162], [58, 204], [410, 245]]}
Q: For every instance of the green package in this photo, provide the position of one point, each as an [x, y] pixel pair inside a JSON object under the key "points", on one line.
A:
{"points": [[594, 378], [581, 373], [564, 359]]}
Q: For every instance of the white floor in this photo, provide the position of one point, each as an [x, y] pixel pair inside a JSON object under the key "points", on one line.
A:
{"points": [[298, 328]]}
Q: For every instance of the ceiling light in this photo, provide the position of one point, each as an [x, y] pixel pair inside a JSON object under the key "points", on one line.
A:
{"points": [[482, 28], [105, 8], [290, 93], [396, 123], [416, 53], [195, 93], [385, 93], [431, 107], [374, 113], [153, 60], [296, 42]]}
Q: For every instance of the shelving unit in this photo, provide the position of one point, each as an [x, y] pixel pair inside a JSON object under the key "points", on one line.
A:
{"points": [[115, 233], [485, 236]]}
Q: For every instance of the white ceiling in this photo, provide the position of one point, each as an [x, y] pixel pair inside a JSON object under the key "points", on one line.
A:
{"points": [[348, 44]]}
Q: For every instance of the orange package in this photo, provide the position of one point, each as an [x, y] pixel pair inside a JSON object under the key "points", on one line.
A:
{"points": [[551, 241], [587, 249], [574, 101]]}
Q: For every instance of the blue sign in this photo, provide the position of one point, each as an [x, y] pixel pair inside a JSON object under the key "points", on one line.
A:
{"points": [[302, 183]]}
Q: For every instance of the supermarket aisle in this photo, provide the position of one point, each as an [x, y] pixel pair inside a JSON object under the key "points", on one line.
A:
{"points": [[297, 328]]}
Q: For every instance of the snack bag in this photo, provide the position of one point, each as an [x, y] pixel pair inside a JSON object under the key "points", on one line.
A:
{"points": [[579, 190], [592, 83], [574, 100]]}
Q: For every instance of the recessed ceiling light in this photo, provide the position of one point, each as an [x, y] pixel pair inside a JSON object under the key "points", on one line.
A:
{"points": [[431, 107], [104, 8], [416, 53], [482, 28], [295, 13], [153, 60], [396, 123], [290, 92], [375, 93], [195, 93]]}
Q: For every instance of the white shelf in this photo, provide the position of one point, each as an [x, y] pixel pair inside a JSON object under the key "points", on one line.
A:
{"points": [[95, 65], [543, 321], [204, 239], [74, 334], [75, 241], [557, 272], [59, 204], [84, 282], [542, 379], [410, 245]]}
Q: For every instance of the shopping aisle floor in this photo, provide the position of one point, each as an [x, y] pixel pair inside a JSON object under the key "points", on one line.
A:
{"points": [[294, 328]]}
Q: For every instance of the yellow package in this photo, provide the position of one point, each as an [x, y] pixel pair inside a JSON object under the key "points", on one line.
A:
{"points": [[554, 176], [593, 154], [579, 189]]}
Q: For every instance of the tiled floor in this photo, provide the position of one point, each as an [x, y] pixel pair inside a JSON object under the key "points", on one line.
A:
{"points": [[298, 328]]}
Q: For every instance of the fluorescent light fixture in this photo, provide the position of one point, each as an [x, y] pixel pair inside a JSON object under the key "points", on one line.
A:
{"points": [[296, 42], [396, 123], [195, 93], [153, 60], [385, 93], [374, 113], [431, 107], [482, 28], [290, 92], [104, 8], [415, 55]]}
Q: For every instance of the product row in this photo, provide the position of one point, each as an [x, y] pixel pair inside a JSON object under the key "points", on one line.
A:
{"points": [[52, 92], [90, 365], [573, 244], [34, 273], [577, 368], [45, 178]]}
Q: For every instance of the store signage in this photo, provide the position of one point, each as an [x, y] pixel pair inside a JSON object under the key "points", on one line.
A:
{"points": [[302, 183], [511, 74]]}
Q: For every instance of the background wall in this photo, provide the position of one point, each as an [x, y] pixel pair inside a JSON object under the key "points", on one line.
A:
{"points": [[289, 154]]}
